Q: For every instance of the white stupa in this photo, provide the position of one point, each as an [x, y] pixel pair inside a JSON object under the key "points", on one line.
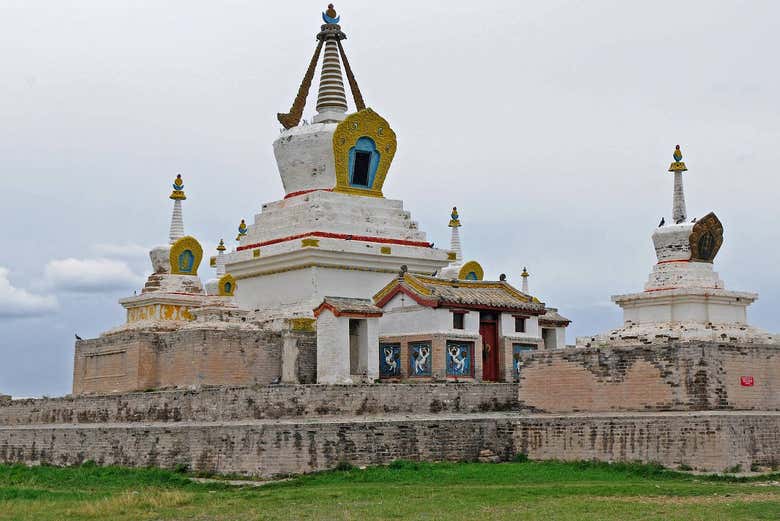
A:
{"points": [[334, 233], [684, 298]]}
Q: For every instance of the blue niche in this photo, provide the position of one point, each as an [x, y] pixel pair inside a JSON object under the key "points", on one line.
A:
{"points": [[389, 360], [363, 162], [228, 287], [186, 260], [517, 361], [420, 359], [460, 359], [472, 276]]}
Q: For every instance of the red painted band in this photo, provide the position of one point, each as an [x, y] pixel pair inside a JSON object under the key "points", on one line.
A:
{"points": [[304, 192], [345, 236]]}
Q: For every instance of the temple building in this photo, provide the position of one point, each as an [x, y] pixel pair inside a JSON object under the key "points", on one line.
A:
{"points": [[332, 284], [684, 298]]}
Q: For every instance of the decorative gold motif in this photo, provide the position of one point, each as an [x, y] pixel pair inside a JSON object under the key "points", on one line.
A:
{"points": [[213, 261], [365, 123], [706, 238], [451, 256], [385, 250], [471, 267], [302, 324], [310, 242], [226, 285], [178, 189], [159, 312], [185, 256], [292, 118], [256, 253], [677, 166]]}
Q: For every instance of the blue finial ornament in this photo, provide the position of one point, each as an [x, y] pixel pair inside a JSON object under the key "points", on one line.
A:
{"points": [[330, 16], [677, 154], [178, 184]]}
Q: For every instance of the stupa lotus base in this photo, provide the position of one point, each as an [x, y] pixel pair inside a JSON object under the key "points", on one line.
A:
{"points": [[661, 333]]}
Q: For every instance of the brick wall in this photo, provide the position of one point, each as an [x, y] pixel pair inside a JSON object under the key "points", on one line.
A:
{"points": [[132, 361], [682, 376]]}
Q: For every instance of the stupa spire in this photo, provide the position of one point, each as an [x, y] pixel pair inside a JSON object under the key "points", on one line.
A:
{"points": [[221, 258], [679, 214], [331, 98], [177, 221], [455, 235], [525, 276]]}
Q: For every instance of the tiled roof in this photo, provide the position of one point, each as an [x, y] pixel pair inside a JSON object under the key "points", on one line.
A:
{"points": [[552, 317], [435, 292], [349, 306]]}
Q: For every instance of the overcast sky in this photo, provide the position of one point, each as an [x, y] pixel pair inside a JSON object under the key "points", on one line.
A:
{"points": [[549, 124]]}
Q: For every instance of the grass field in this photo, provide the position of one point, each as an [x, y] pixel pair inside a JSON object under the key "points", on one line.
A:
{"points": [[403, 490]]}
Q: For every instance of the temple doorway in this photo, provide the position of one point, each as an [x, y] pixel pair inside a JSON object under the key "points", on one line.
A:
{"points": [[488, 330]]}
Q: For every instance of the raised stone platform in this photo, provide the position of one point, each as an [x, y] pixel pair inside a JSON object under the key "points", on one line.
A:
{"points": [[290, 429], [711, 441]]}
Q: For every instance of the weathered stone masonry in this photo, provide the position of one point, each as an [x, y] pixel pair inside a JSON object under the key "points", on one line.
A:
{"points": [[709, 441], [680, 376]]}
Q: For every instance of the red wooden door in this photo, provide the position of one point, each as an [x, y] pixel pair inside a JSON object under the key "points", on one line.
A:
{"points": [[489, 333]]}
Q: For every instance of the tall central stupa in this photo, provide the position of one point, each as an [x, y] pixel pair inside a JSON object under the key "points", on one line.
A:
{"points": [[334, 233]]}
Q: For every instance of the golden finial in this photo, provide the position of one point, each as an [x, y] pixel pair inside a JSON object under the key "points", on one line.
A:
{"points": [[677, 165], [454, 219], [221, 246], [178, 189], [242, 228], [525, 273]]}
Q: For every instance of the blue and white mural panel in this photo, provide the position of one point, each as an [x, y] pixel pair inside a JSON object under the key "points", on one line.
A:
{"points": [[420, 363], [389, 360], [460, 359]]}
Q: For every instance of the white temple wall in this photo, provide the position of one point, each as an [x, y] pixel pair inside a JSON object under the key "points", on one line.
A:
{"points": [[403, 316], [372, 348], [303, 290], [508, 326], [332, 349]]}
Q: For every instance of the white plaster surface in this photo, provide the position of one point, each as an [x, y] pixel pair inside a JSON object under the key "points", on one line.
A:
{"points": [[332, 346], [304, 156]]}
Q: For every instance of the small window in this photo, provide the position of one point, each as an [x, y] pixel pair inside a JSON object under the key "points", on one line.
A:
{"points": [[362, 165], [519, 324], [457, 321]]}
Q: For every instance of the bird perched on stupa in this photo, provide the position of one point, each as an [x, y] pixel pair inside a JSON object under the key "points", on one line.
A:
{"points": [[677, 154], [663, 221]]}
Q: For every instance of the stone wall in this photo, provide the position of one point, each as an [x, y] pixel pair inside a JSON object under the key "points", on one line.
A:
{"points": [[688, 376], [710, 441], [226, 404], [139, 360]]}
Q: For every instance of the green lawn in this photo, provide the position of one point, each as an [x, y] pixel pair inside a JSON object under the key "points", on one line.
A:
{"points": [[403, 490]]}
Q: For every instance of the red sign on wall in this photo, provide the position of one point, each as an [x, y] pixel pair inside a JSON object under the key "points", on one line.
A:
{"points": [[746, 381]]}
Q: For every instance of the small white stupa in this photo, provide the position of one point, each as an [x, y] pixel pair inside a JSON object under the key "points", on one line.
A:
{"points": [[684, 298], [174, 289]]}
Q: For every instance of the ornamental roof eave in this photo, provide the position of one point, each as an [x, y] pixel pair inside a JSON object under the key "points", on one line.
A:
{"points": [[349, 307], [459, 294]]}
